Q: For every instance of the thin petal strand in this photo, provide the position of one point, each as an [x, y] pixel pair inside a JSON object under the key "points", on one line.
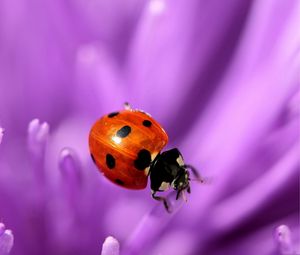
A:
{"points": [[1, 134], [6, 242], [2, 228]]}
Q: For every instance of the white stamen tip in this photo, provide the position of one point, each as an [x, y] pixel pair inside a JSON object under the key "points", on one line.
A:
{"points": [[38, 131], [37, 136], [43, 132], [33, 125], [283, 238], [110, 246], [69, 162], [6, 242], [65, 152]]}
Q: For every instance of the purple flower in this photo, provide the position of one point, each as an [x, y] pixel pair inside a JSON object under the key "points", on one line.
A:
{"points": [[221, 77]]}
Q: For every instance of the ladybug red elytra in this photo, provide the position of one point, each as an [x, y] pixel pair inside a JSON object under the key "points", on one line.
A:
{"points": [[126, 147]]}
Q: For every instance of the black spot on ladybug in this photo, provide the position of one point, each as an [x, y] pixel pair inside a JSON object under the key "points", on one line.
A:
{"points": [[110, 161], [93, 158], [120, 182], [143, 159], [113, 114], [147, 123], [124, 131]]}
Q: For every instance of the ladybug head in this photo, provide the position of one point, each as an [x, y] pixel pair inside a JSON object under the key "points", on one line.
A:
{"points": [[167, 170]]}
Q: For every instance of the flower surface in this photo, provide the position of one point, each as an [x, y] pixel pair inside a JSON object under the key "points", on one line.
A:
{"points": [[221, 77]]}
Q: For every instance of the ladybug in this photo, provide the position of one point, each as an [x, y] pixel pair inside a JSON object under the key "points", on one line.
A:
{"points": [[126, 147]]}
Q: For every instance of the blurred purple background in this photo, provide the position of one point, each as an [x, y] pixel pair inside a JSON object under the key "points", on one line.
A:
{"points": [[222, 77]]}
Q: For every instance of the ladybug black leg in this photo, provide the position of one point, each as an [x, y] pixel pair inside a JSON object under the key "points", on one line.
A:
{"points": [[188, 189], [178, 194], [195, 173], [162, 199]]}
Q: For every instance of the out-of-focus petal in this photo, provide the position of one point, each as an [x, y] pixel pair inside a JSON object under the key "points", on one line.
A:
{"points": [[234, 210], [176, 242], [250, 99], [178, 56], [151, 226], [6, 241], [112, 22], [100, 70]]}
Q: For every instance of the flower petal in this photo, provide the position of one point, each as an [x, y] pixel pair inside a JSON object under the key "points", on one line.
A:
{"points": [[37, 136], [6, 242], [284, 241], [151, 225], [71, 172], [283, 172]]}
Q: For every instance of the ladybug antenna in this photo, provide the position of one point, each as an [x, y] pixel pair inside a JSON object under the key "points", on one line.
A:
{"points": [[197, 180]]}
